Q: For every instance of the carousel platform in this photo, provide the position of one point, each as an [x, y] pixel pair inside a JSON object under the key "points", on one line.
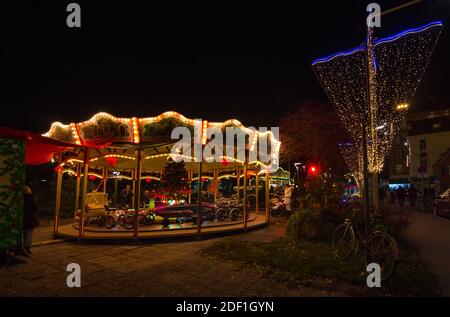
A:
{"points": [[158, 231]]}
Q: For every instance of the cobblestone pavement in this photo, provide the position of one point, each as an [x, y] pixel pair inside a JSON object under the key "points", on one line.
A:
{"points": [[163, 269], [429, 233]]}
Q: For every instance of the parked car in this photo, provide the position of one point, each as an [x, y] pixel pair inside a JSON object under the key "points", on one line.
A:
{"points": [[443, 204]]}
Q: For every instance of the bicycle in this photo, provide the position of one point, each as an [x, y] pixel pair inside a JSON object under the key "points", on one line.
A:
{"points": [[378, 247]]}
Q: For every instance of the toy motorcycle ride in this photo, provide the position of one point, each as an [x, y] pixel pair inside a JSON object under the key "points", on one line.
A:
{"points": [[224, 207], [279, 209], [126, 219]]}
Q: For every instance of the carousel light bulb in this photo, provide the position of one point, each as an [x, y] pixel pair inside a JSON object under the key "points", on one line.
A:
{"points": [[402, 106], [204, 130]]}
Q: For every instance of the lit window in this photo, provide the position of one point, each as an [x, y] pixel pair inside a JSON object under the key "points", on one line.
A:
{"points": [[398, 154], [423, 145], [398, 168], [436, 125]]}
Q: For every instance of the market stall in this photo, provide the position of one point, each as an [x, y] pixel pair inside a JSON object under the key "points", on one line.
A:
{"points": [[17, 149]]}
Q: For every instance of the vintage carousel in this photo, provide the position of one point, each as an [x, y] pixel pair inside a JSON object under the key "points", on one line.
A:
{"points": [[186, 197]]}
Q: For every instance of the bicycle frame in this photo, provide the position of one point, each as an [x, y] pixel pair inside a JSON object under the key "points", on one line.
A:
{"points": [[360, 237]]}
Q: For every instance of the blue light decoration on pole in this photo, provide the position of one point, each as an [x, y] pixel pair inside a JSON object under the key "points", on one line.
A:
{"points": [[385, 72]]}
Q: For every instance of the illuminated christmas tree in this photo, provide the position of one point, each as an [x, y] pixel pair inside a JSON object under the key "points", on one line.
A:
{"points": [[174, 178]]}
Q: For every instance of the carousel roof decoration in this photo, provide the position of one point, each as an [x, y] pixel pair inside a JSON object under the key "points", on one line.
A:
{"points": [[115, 140]]}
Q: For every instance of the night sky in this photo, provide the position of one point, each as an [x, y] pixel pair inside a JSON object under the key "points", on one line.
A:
{"points": [[216, 60]]}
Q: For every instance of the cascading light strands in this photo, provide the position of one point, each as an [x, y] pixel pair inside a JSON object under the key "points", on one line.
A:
{"points": [[397, 64], [353, 158]]}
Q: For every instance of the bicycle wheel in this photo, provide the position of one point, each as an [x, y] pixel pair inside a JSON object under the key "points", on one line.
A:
{"points": [[234, 214], [110, 222], [221, 214], [344, 241], [121, 220], [149, 219], [382, 249], [129, 222], [101, 221]]}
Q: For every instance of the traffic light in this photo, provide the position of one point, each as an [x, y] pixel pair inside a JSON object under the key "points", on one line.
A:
{"points": [[313, 170]]}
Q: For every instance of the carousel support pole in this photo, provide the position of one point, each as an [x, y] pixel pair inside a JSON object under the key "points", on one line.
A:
{"points": [[256, 190], [216, 185], [58, 196], [190, 186], [85, 183], [199, 197], [105, 176], [267, 185], [238, 176], [77, 189], [116, 183], [133, 185], [245, 194], [137, 192]]}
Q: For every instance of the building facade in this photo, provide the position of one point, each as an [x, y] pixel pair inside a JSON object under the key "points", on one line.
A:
{"points": [[428, 140], [442, 171], [398, 161]]}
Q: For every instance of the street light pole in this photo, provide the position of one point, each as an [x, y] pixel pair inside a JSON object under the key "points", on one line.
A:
{"points": [[373, 115], [365, 175]]}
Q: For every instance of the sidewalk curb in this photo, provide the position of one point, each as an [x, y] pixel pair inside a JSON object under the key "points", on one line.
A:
{"points": [[41, 243]]}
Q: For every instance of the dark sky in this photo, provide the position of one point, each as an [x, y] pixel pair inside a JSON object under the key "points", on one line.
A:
{"points": [[215, 60]]}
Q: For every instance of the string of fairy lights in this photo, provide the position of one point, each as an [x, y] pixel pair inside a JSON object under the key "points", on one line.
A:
{"points": [[393, 68], [73, 131], [353, 158]]}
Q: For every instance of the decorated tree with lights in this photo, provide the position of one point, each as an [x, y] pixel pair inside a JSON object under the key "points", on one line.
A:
{"points": [[353, 158], [371, 87], [311, 132], [174, 178]]}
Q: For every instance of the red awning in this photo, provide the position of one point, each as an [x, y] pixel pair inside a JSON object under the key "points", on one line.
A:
{"points": [[38, 149]]}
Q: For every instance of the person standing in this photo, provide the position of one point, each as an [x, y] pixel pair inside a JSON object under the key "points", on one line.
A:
{"points": [[381, 195], [288, 195], [126, 197], [401, 195], [432, 193], [392, 196], [145, 200], [412, 194], [30, 219]]}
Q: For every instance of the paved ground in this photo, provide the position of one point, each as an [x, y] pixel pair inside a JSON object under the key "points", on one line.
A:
{"points": [[431, 235], [164, 269], [42, 234]]}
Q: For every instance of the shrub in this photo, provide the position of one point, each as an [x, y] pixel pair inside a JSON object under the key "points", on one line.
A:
{"points": [[312, 224]]}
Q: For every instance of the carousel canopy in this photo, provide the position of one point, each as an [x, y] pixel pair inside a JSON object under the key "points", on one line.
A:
{"points": [[114, 141]]}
